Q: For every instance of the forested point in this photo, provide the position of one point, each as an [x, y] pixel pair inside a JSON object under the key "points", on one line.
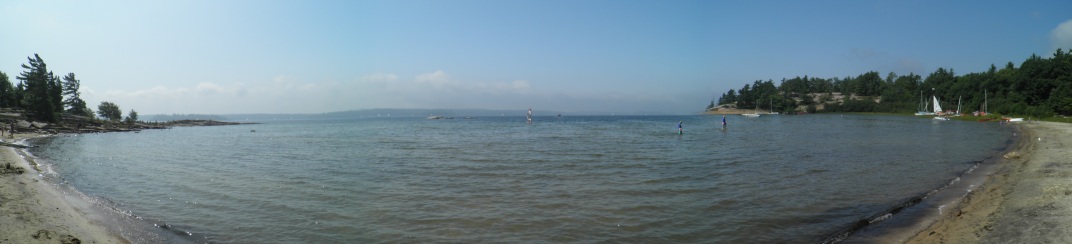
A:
{"points": [[42, 96], [1040, 87]]}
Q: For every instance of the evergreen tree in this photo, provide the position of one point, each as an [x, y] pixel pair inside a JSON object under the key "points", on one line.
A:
{"points": [[38, 83], [20, 94], [7, 92], [55, 94], [73, 102], [132, 117], [1040, 87]]}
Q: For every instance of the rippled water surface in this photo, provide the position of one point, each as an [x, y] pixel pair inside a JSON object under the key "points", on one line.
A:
{"points": [[498, 179]]}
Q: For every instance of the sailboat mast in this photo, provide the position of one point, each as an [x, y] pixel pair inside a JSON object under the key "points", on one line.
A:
{"points": [[958, 103]]}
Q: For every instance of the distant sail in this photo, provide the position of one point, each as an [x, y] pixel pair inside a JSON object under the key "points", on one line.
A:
{"points": [[937, 108]]}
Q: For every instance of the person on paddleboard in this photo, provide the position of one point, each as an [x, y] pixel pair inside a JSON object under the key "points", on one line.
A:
{"points": [[679, 130], [723, 121]]}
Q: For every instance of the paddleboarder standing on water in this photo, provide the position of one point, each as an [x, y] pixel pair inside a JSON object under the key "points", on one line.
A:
{"points": [[723, 121], [679, 130]]}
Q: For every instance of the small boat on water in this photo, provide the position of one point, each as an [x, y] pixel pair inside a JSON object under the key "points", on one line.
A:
{"points": [[938, 110], [923, 106], [753, 115]]}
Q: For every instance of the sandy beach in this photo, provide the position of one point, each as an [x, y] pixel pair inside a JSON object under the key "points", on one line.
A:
{"points": [[1028, 200], [33, 211]]}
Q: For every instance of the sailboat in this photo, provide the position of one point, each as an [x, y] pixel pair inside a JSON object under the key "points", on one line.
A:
{"points": [[958, 106], [755, 114], [938, 110], [923, 106]]}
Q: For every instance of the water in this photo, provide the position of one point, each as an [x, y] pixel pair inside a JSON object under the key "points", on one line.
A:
{"points": [[497, 179]]}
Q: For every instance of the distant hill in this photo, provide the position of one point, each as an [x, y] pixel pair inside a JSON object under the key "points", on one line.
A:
{"points": [[174, 117], [428, 112], [380, 112]]}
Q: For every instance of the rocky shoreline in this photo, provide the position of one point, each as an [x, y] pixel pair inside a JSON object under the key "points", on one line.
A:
{"points": [[76, 126]]}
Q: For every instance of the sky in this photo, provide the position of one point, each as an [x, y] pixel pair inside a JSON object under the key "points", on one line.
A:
{"points": [[589, 56]]}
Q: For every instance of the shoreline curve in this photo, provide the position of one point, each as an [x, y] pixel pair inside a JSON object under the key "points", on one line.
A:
{"points": [[1031, 193], [33, 210]]}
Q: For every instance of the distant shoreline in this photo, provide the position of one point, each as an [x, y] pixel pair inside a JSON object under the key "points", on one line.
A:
{"points": [[735, 111]]}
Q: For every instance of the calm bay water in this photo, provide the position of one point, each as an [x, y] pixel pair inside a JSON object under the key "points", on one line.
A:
{"points": [[497, 179]]}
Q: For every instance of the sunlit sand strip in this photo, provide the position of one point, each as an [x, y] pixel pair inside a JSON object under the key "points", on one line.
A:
{"points": [[1028, 201]]}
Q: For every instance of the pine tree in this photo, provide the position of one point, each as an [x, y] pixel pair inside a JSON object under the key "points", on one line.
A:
{"points": [[38, 96], [132, 117], [7, 92], [73, 102]]}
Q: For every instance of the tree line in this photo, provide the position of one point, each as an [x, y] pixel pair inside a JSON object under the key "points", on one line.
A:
{"points": [[46, 97], [1039, 87]]}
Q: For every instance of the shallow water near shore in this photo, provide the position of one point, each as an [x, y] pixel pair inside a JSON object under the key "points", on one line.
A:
{"points": [[570, 179]]}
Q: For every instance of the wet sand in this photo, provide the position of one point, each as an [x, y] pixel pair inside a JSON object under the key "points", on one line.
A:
{"points": [[1028, 200], [34, 211]]}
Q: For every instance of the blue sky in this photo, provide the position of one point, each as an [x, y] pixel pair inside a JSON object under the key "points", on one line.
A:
{"points": [[570, 56]]}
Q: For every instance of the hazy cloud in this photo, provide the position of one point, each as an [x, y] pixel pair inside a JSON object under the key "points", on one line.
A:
{"points": [[284, 94], [440, 81], [1062, 35], [519, 85], [437, 79], [379, 77], [208, 88]]}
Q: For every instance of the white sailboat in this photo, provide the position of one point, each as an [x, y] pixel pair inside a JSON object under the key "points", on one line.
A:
{"points": [[755, 114], [923, 106], [938, 110], [958, 106]]}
